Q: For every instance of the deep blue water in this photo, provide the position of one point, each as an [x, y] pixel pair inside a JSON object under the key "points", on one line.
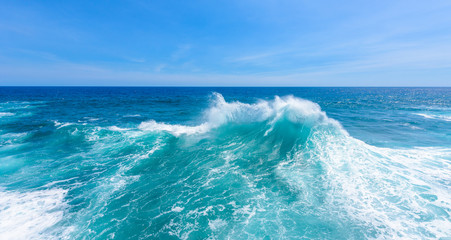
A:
{"points": [[225, 163]]}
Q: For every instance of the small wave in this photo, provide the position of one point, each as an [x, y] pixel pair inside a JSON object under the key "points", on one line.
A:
{"points": [[6, 114], [118, 129], [59, 125], [412, 126], [435, 116], [91, 119], [17, 105], [132, 115], [12, 140]]}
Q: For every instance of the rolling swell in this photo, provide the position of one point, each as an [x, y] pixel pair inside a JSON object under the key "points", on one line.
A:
{"points": [[279, 169]]}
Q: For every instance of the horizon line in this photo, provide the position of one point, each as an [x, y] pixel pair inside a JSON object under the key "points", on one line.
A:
{"points": [[211, 86]]}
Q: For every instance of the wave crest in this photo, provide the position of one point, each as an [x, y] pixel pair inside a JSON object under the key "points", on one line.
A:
{"points": [[395, 193], [221, 112]]}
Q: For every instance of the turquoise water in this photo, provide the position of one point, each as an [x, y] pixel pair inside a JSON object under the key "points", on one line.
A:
{"points": [[225, 163]]}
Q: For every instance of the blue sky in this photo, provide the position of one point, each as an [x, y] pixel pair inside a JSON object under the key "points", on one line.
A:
{"points": [[225, 43]]}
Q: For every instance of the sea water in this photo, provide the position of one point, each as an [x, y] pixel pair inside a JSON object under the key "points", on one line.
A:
{"points": [[225, 163]]}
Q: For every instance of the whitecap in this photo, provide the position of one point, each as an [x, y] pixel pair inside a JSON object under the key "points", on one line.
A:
{"points": [[132, 115], [117, 129], [28, 215], [177, 209], [435, 116], [175, 129], [6, 114], [221, 112]]}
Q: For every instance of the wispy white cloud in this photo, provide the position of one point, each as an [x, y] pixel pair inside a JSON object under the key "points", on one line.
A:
{"points": [[258, 57], [160, 67], [181, 52]]}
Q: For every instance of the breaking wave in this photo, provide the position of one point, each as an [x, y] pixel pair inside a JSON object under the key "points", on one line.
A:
{"points": [[395, 193], [277, 168]]}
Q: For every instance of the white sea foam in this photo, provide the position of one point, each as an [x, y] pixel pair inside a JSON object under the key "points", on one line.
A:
{"points": [[91, 119], [13, 136], [177, 209], [294, 109], [174, 129], [435, 116], [118, 129], [59, 125], [28, 215], [425, 115], [217, 224], [6, 114], [399, 193], [222, 112]]}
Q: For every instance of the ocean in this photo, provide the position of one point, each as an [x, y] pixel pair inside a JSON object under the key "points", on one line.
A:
{"points": [[225, 163]]}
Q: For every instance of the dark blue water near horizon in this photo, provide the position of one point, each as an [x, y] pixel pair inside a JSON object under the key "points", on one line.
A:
{"points": [[225, 163]]}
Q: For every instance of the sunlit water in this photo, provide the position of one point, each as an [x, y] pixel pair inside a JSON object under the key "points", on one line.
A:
{"points": [[225, 163]]}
